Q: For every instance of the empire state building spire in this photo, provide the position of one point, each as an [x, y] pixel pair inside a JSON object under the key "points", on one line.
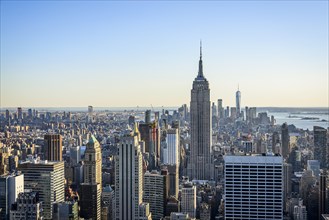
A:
{"points": [[200, 74]]}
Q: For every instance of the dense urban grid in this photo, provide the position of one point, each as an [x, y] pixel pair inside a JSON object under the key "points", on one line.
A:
{"points": [[202, 161]]}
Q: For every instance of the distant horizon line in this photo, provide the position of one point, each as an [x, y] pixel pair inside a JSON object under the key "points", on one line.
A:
{"points": [[150, 107]]}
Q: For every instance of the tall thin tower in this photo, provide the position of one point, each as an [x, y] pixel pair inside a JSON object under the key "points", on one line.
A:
{"points": [[238, 102], [91, 189], [200, 155], [128, 177]]}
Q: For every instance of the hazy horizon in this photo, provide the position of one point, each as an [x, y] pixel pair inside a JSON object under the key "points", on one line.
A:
{"points": [[110, 53]]}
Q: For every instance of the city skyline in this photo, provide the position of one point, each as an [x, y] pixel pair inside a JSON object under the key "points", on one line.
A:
{"points": [[124, 54]]}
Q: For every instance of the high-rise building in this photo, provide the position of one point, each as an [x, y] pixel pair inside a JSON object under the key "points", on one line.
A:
{"points": [[253, 187], [91, 188], [68, 210], [46, 178], [53, 147], [322, 194], [214, 109], [238, 102], [128, 178], [19, 113], [28, 206], [156, 192], [285, 140], [188, 202], [287, 175], [320, 146], [200, 162], [90, 201], [220, 108], [171, 149], [93, 162], [300, 212], [10, 187]]}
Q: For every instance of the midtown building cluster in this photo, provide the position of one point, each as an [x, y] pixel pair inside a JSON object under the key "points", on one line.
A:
{"points": [[202, 161]]}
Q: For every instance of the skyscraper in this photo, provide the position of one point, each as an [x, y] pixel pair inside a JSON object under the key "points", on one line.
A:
{"points": [[10, 187], [238, 102], [188, 202], [156, 192], [28, 206], [91, 188], [53, 147], [220, 108], [200, 163], [320, 145], [285, 141], [171, 150], [46, 178], [253, 187], [93, 162], [128, 178]]}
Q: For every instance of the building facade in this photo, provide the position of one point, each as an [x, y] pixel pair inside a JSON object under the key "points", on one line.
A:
{"points": [[200, 163], [46, 178], [128, 178], [53, 147], [10, 187], [253, 187], [188, 202]]}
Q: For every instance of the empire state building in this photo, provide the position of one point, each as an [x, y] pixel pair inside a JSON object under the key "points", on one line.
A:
{"points": [[200, 163]]}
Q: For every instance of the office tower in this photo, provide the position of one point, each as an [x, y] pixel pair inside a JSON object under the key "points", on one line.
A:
{"points": [[275, 141], [91, 188], [300, 212], [233, 113], [253, 187], [147, 116], [188, 201], [128, 178], [90, 201], [75, 155], [173, 205], [144, 211], [19, 113], [285, 140], [314, 166], [287, 175], [173, 171], [107, 200], [214, 109], [27, 206], [200, 163], [150, 134], [93, 162], [46, 178], [68, 210], [322, 194], [90, 110], [7, 114], [238, 102], [53, 147], [320, 146], [10, 187], [227, 112], [156, 192], [247, 113], [171, 149], [220, 108]]}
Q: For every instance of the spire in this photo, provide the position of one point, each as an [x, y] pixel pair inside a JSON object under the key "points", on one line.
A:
{"points": [[200, 74]]}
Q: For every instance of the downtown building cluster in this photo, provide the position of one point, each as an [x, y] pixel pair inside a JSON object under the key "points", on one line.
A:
{"points": [[198, 162]]}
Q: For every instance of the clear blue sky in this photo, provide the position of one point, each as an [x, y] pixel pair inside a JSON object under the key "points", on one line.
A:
{"points": [[112, 53]]}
